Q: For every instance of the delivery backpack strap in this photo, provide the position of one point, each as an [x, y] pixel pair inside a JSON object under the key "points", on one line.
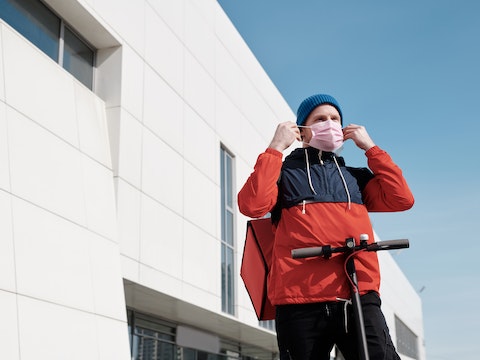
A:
{"points": [[276, 212]]}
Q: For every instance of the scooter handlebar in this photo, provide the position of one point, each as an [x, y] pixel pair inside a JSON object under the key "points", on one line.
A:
{"points": [[377, 246]]}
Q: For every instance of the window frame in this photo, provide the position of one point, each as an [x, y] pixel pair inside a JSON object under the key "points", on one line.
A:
{"points": [[228, 240]]}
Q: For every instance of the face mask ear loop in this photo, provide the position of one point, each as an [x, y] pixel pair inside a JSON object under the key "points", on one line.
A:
{"points": [[305, 127], [344, 183], [308, 172]]}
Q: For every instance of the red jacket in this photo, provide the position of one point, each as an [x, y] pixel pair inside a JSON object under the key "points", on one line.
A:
{"points": [[321, 215]]}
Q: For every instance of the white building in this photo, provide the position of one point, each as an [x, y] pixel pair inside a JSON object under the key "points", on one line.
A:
{"points": [[126, 129]]}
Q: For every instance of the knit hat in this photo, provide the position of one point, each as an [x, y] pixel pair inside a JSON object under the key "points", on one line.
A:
{"points": [[310, 103]]}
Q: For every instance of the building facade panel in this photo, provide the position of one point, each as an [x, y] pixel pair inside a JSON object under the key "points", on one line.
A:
{"points": [[99, 198], [200, 37], [92, 126], [9, 325], [50, 94], [163, 110], [2, 79], [157, 250], [129, 212], [128, 149], [196, 131], [162, 172], [44, 168], [133, 80], [164, 52], [4, 161], [52, 260], [7, 251]]}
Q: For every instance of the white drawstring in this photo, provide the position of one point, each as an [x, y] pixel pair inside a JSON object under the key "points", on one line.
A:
{"points": [[308, 172], [346, 303], [344, 183], [310, 179]]}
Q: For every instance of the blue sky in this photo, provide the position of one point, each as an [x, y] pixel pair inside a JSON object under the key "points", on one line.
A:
{"points": [[409, 71]]}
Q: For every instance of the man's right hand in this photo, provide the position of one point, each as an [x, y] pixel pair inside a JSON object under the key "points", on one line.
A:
{"points": [[286, 133]]}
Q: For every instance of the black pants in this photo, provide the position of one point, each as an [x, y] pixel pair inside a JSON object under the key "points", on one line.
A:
{"points": [[309, 331]]}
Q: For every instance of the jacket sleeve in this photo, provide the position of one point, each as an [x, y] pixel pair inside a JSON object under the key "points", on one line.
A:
{"points": [[258, 195], [387, 191]]}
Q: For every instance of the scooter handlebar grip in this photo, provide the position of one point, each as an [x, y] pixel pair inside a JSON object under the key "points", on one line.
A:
{"points": [[307, 252], [389, 245]]}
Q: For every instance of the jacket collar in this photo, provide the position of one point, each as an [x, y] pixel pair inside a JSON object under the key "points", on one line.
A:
{"points": [[313, 154]]}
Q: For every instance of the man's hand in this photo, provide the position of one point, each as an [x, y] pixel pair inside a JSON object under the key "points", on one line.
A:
{"points": [[359, 135], [285, 134]]}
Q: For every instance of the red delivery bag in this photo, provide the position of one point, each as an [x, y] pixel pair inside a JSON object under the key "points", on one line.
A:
{"points": [[256, 262]]}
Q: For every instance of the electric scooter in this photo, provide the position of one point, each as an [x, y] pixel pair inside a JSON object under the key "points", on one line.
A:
{"points": [[350, 249]]}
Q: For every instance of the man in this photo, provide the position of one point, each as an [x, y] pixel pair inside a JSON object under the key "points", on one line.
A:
{"points": [[316, 200]]}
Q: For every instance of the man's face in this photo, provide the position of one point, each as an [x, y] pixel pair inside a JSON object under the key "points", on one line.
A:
{"points": [[320, 113]]}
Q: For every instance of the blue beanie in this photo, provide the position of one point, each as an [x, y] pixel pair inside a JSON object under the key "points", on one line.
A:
{"points": [[310, 103]]}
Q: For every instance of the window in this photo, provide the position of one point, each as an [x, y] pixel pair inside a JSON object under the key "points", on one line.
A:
{"points": [[227, 220], [153, 338], [78, 58], [406, 339], [49, 33], [267, 324]]}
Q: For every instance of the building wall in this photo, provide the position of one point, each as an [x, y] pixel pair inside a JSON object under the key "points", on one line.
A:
{"points": [[400, 299], [60, 276], [111, 198]]}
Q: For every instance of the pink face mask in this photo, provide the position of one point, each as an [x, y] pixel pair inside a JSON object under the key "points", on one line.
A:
{"points": [[326, 135]]}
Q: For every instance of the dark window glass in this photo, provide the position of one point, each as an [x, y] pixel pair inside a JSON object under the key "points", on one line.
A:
{"points": [[78, 58], [152, 340], [229, 181], [48, 32], [406, 339], [229, 225], [35, 21]]}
